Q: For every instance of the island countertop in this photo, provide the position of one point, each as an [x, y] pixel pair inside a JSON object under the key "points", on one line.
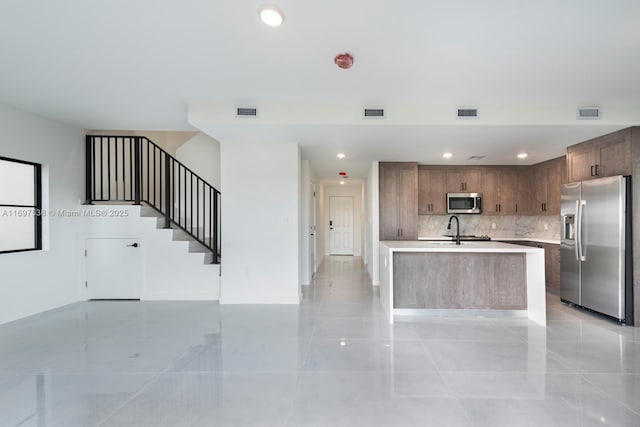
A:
{"points": [[449, 246], [498, 239], [534, 270]]}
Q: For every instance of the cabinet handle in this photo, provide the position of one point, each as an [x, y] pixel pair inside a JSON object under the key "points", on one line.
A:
{"points": [[499, 207], [592, 172], [516, 207], [401, 232], [597, 170]]}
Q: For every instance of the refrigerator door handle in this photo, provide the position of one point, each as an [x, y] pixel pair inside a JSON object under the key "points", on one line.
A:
{"points": [[580, 204], [577, 231]]}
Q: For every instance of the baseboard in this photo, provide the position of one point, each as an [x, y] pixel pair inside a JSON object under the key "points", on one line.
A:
{"points": [[258, 300], [181, 297]]}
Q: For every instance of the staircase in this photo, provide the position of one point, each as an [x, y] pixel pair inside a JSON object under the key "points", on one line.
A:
{"points": [[178, 235], [134, 170]]}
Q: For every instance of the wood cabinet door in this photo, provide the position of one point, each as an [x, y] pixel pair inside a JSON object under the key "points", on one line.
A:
{"points": [[490, 189], [580, 160], [508, 182], [407, 203], [552, 267], [431, 191], [388, 185], [454, 181], [471, 179], [463, 180], [539, 182], [523, 191], [615, 155], [558, 176], [398, 190]]}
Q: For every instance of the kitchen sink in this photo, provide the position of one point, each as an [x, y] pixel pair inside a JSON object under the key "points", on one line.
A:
{"points": [[446, 243]]}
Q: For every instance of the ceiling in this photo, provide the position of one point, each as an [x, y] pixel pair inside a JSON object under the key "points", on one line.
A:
{"points": [[153, 64]]}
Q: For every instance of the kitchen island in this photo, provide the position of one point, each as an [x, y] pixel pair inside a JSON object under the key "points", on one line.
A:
{"points": [[490, 278]]}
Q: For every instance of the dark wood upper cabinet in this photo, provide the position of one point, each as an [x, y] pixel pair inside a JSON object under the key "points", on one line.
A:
{"points": [[463, 179], [547, 178], [607, 155], [398, 200], [523, 197], [501, 192], [432, 191]]}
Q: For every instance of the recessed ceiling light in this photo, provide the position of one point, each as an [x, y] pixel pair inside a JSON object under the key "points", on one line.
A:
{"points": [[340, 155], [341, 182], [523, 155], [271, 15], [447, 155]]}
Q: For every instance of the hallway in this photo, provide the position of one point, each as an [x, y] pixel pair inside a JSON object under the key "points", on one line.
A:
{"points": [[331, 361]]}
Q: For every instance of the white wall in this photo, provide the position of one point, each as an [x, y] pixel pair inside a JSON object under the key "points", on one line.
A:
{"points": [[372, 216], [354, 191], [33, 282], [260, 214], [201, 154], [169, 141], [170, 272], [306, 217]]}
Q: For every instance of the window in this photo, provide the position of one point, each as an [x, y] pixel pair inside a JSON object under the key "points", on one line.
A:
{"points": [[20, 206]]}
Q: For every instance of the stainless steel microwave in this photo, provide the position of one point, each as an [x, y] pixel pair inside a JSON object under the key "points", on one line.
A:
{"points": [[464, 203]]}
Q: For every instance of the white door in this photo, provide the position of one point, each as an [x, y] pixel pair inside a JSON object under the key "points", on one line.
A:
{"points": [[114, 268], [341, 225]]}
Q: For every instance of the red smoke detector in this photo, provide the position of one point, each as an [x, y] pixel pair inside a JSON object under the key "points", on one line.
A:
{"points": [[342, 173], [344, 61]]}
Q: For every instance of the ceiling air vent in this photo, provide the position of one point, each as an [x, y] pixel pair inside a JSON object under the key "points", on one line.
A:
{"points": [[373, 113], [246, 112], [588, 113], [476, 157], [467, 113]]}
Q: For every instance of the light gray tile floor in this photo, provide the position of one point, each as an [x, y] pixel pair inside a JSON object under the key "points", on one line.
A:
{"points": [[331, 361]]}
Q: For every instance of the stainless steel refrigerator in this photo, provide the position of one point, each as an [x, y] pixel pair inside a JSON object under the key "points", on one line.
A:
{"points": [[595, 250]]}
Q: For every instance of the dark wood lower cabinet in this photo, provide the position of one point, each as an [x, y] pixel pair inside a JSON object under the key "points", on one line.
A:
{"points": [[551, 263], [459, 281]]}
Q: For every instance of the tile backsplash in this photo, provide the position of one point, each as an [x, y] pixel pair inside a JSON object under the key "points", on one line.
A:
{"points": [[541, 227]]}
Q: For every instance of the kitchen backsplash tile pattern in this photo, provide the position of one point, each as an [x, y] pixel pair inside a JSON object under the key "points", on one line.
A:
{"points": [[541, 227]]}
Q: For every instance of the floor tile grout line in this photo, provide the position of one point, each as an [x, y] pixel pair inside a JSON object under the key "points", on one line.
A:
{"points": [[152, 380], [606, 393]]}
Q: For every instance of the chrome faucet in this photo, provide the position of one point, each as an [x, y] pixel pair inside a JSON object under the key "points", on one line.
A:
{"points": [[457, 227]]}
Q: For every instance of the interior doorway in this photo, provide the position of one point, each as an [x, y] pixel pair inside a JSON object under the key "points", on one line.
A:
{"points": [[341, 225], [313, 233]]}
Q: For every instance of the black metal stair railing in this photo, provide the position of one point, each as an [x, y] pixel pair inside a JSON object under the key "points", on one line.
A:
{"points": [[134, 169]]}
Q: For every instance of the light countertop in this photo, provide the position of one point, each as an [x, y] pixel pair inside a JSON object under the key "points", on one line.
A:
{"points": [[498, 239], [449, 246]]}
